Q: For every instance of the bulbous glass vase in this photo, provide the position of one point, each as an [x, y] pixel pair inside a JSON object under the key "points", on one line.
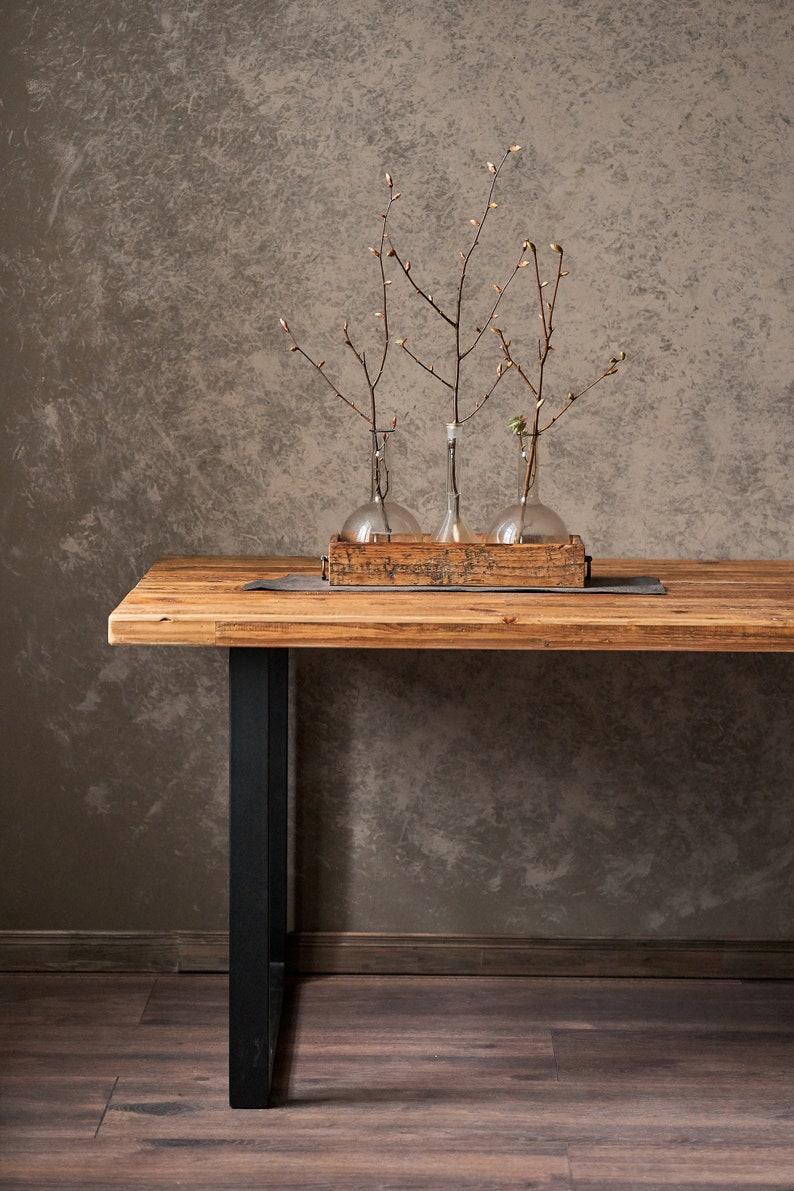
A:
{"points": [[528, 520], [380, 519]]}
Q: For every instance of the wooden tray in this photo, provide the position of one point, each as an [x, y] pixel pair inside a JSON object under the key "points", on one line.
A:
{"points": [[470, 564]]}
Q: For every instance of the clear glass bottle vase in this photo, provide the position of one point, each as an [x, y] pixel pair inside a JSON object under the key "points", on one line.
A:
{"points": [[453, 528], [528, 520], [380, 519]]}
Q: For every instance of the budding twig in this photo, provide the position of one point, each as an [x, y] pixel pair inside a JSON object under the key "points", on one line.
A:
{"points": [[454, 320], [519, 425], [319, 365]]}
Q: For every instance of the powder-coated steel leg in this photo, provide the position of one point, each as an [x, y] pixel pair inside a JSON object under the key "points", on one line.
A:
{"points": [[258, 707]]}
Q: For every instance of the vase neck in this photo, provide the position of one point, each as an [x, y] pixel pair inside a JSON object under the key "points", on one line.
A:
{"points": [[528, 484], [453, 528], [379, 484], [453, 464]]}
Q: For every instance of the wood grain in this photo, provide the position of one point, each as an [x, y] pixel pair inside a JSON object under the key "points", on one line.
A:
{"points": [[709, 606], [403, 564], [351, 952], [685, 1166], [470, 955], [395, 1082]]}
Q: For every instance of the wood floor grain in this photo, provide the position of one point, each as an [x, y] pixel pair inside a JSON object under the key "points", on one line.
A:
{"points": [[402, 1082]]}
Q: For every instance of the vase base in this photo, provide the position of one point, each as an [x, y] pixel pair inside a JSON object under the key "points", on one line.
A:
{"points": [[379, 521], [454, 529], [524, 524]]}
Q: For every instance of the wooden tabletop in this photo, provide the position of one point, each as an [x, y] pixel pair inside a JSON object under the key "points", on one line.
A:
{"points": [[709, 606]]}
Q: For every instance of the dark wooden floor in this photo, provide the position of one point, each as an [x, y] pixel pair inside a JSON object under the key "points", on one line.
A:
{"points": [[402, 1082]]}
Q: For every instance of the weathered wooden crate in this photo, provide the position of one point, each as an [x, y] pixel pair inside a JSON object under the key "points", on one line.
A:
{"points": [[456, 564]]}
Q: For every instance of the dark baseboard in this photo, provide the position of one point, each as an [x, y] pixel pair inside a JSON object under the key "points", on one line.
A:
{"points": [[492, 955], [406, 954], [114, 951]]}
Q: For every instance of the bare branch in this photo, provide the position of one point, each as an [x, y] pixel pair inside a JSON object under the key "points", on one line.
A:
{"points": [[427, 367], [513, 363], [405, 265], [547, 307], [499, 374], [455, 321], [521, 263], [319, 366], [610, 370]]}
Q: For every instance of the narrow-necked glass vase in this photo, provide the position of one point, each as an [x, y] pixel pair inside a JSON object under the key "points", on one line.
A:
{"points": [[380, 519], [453, 528], [528, 520]]}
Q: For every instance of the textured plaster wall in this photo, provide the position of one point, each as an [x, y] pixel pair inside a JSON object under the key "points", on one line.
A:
{"points": [[178, 175]]}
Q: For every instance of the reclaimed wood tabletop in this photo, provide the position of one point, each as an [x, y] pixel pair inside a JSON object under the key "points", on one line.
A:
{"points": [[708, 605]]}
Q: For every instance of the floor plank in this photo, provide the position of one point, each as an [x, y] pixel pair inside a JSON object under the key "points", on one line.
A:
{"points": [[231, 1166], [65, 998], [106, 1050], [702, 1167], [651, 1057], [52, 1107], [537, 1112], [403, 1082], [566, 1002]]}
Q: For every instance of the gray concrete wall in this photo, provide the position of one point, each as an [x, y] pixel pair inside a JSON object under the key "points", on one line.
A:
{"points": [[180, 175]]}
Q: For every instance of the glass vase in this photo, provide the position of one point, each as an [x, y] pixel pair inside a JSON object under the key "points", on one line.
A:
{"points": [[528, 520], [453, 528], [380, 519]]}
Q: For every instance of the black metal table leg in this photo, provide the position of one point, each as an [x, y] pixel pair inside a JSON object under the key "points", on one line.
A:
{"points": [[258, 712]]}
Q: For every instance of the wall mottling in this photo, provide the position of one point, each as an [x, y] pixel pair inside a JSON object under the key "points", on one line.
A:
{"points": [[547, 795], [176, 177]]}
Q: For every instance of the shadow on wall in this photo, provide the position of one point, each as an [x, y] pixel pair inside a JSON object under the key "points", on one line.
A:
{"points": [[578, 795]]}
